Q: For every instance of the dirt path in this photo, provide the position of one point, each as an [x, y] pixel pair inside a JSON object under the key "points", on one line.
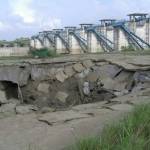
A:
{"points": [[54, 131]]}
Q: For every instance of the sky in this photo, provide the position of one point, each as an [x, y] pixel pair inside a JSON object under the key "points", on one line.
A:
{"points": [[24, 18]]}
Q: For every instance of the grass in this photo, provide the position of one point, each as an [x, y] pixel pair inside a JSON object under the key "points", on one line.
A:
{"points": [[131, 133]]}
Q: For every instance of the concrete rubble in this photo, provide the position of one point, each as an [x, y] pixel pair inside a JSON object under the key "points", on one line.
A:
{"points": [[64, 82], [61, 96], [69, 71], [88, 63], [61, 76], [43, 87], [78, 67]]}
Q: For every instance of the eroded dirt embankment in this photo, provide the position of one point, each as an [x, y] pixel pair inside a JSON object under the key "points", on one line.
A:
{"points": [[50, 85]]}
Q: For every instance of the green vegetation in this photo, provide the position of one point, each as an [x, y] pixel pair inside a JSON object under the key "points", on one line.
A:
{"points": [[43, 53], [20, 42], [132, 133]]}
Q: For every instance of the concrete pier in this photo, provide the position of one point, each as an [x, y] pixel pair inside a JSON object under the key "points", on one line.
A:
{"points": [[78, 39], [49, 40]]}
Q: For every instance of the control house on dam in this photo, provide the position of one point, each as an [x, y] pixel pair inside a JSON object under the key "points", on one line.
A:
{"points": [[107, 36]]}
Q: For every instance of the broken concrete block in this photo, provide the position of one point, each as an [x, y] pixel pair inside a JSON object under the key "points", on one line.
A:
{"points": [[109, 84], [15, 74], [88, 63], [143, 76], [61, 76], [26, 109], [110, 71], [124, 92], [62, 96], [8, 108], [92, 77], [52, 73], [43, 87], [83, 74], [78, 67], [69, 71], [141, 86], [3, 98]]}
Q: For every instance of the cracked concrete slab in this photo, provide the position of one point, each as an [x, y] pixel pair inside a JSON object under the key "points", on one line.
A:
{"points": [[59, 117]]}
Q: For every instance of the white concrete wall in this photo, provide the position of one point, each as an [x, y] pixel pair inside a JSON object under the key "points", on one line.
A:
{"points": [[74, 45], [141, 31], [47, 43], [14, 51], [122, 40], [94, 44], [60, 47], [38, 44], [110, 34], [148, 32], [32, 43]]}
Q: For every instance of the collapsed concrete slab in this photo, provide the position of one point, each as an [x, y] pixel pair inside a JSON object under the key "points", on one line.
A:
{"points": [[15, 74], [85, 79]]}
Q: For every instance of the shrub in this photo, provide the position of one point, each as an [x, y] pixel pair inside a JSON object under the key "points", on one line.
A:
{"points": [[43, 53]]}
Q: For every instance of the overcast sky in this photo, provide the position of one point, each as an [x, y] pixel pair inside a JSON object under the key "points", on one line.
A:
{"points": [[27, 17]]}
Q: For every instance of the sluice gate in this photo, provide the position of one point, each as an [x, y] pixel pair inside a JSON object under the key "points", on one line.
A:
{"points": [[109, 35]]}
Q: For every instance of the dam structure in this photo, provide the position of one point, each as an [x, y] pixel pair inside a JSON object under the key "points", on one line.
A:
{"points": [[109, 35]]}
